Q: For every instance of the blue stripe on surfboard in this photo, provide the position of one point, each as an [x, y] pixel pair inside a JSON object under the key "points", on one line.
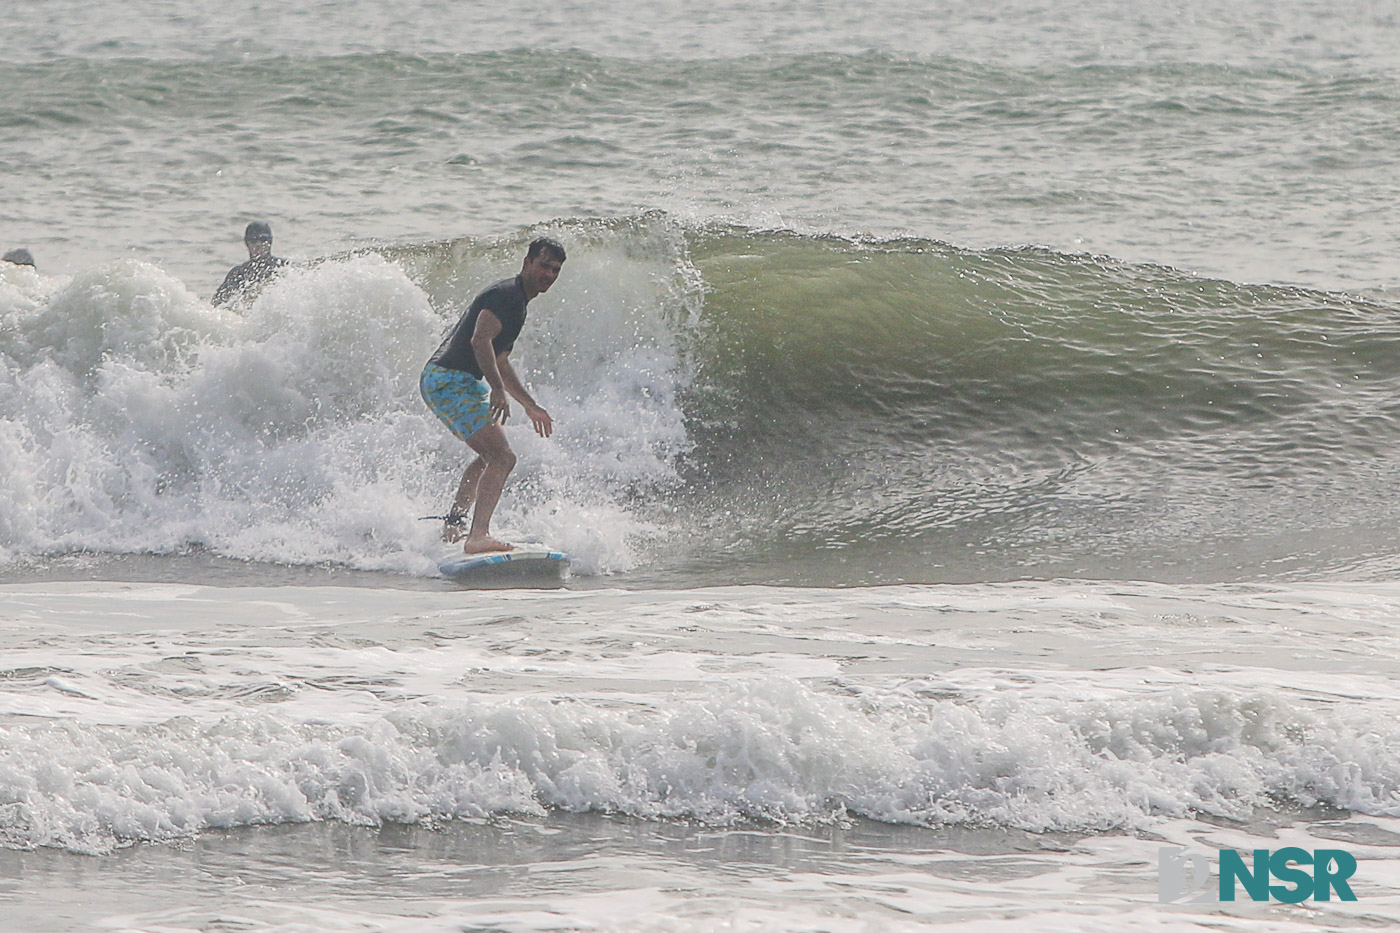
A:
{"points": [[463, 563]]}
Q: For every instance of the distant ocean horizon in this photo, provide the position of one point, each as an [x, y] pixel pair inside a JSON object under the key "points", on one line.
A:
{"points": [[975, 442]]}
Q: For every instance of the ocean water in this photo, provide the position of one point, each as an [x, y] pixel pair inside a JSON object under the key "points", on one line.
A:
{"points": [[975, 439]]}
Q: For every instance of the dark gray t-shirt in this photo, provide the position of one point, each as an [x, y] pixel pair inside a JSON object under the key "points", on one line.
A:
{"points": [[506, 299], [247, 277]]}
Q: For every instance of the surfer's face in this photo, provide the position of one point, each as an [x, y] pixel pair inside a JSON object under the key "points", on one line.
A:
{"points": [[541, 271]]}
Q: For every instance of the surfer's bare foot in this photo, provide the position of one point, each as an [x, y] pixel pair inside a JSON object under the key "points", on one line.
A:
{"points": [[483, 544]]}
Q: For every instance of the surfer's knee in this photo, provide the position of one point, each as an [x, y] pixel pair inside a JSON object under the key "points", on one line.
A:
{"points": [[499, 456]]}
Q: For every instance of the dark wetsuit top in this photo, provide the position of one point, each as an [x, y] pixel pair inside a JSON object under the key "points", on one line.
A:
{"points": [[252, 274], [506, 299]]}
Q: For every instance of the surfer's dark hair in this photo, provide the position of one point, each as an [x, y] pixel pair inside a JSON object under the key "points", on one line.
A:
{"points": [[543, 243]]}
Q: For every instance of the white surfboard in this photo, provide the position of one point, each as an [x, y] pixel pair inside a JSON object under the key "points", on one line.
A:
{"points": [[525, 562]]}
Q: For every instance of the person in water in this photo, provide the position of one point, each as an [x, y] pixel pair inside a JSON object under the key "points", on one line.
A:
{"points": [[20, 257], [246, 280], [468, 384]]}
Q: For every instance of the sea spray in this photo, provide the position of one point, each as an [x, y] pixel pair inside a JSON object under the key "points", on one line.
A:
{"points": [[144, 421]]}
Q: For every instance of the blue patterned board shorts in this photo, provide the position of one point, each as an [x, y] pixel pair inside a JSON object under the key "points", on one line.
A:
{"points": [[460, 400]]}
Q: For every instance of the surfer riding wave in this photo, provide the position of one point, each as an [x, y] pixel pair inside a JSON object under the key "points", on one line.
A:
{"points": [[468, 384]]}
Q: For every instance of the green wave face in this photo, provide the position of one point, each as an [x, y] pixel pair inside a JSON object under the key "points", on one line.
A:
{"points": [[918, 411]]}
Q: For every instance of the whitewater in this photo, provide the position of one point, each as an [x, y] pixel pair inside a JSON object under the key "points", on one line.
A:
{"points": [[974, 438]]}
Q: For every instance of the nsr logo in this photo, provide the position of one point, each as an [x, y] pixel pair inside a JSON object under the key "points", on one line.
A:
{"points": [[1331, 869]]}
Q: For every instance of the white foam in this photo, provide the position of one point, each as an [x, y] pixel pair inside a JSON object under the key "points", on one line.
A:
{"points": [[773, 750], [175, 708], [134, 417]]}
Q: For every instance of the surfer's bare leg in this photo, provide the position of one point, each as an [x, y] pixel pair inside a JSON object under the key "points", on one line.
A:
{"points": [[455, 529], [498, 460]]}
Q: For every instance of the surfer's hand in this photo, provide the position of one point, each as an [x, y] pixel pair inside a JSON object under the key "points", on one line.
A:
{"points": [[544, 425], [500, 407]]}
